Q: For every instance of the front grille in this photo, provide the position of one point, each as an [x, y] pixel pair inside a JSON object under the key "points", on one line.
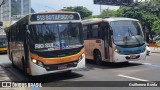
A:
{"points": [[132, 52], [57, 67]]}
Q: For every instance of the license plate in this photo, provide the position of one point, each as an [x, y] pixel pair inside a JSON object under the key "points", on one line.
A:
{"points": [[62, 67], [133, 56]]}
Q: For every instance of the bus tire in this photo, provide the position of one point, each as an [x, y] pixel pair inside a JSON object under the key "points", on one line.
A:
{"points": [[97, 57], [11, 57], [24, 65]]}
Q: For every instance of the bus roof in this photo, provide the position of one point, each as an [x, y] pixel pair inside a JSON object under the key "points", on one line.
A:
{"points": [[110, 19], [48, 12]]}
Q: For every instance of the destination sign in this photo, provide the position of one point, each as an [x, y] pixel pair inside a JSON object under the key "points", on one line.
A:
{"points": [[54, 17]]}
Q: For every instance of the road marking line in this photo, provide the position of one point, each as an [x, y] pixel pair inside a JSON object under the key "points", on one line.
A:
{"points": [[154, 65], [133, 78], [147, 63], [1, 63]]}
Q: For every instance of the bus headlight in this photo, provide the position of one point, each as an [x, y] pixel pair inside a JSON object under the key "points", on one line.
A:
{"points": [[116, 50], [34, 61], [39, 63]]}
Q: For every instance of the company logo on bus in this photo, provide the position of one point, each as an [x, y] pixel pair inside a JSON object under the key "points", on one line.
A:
{"points": [[55, 17]]}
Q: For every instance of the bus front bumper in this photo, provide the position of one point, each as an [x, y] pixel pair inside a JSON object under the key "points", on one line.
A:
{"points": [[37, 70], [130, 58], [3, 49]]}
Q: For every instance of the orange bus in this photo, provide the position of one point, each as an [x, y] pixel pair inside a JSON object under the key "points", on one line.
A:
{"points": [[48, 42]]}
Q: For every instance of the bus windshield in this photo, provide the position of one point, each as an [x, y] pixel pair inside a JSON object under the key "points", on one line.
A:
{"points": [[3, 42], [56, 36], [127, 32]]}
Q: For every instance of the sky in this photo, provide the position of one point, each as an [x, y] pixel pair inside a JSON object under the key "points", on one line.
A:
{"points": [[46, 5]]}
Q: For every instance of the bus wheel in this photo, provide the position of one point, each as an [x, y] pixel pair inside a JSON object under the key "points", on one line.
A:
{"points": [[97, 58], [24, 65], [12, 60]]}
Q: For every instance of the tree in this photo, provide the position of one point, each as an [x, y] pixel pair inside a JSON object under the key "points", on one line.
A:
{"points": [[145, 15], [109, 13], [84, 12], [156, 26]]}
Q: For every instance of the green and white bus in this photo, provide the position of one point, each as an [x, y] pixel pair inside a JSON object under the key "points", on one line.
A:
{"points": [[114, 40]]}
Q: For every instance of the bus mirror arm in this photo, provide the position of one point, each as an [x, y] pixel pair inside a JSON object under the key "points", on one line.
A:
{"points": [[28, 32], [27, 27], [111, 32]]}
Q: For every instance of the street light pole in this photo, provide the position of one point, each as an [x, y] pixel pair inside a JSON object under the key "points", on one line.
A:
{"points": [[100, 8]]}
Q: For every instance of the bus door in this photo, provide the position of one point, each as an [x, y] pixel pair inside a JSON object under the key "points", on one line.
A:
{"points": [[105, 37], [87, 37]]}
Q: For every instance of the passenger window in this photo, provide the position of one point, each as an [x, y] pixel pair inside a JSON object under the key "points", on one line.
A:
{"points": [[96, 31]]}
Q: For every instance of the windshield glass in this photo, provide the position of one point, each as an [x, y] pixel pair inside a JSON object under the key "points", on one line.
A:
{"points": [[127, 32], [3, 42], [55, 36]]}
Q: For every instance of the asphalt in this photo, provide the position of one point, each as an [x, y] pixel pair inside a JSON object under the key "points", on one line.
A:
{"points": [[5, 76]]}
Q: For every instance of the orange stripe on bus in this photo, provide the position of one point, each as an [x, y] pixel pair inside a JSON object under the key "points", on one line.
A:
{"points": [[49, 61]]}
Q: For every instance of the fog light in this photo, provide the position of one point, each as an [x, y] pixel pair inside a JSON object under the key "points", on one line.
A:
{"points": [[39, 63]]}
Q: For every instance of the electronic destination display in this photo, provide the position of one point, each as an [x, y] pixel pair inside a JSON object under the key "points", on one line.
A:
{"points": [[55, 17]]}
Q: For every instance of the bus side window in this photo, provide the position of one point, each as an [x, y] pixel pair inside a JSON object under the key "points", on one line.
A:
{"points": [[21, 32], [86, 32], [95, 31]]}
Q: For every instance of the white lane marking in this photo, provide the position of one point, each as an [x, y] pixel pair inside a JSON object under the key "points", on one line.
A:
{"points": [[147, 63], [132, 78], [154, 65]]}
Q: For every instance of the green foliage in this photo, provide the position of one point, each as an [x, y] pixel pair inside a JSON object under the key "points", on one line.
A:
{"points": [[156, 25], [109, 13], [148, 13], [84, 12], [94, 16]]}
